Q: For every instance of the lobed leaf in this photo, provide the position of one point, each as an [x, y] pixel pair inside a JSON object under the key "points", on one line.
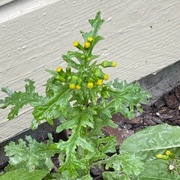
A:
{"points": [[19, 99], [126, 98], [34, 154], [127, 164], [50, 108]]}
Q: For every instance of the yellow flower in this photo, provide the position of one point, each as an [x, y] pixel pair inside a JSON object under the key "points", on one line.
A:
{"points": [[72, 86], [87, 44], [90, 39], [159, 156], [58, 69], [75, 43], [106, 77], [78, 87], [100, 82], [168, 152], [90, 85], [114, 64]]}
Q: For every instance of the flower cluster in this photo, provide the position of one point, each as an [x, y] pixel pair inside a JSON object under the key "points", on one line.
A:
{"points": [[96, 75]]}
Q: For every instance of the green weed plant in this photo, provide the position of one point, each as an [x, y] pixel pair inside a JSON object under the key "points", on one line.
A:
{"points": [[83, 99]]}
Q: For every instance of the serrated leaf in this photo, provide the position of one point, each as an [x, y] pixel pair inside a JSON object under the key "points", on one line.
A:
{"points": [[71, 62], [33, 155], [18, 99], [125, 163], [23, 174], [71, 122], [126, 97], [49, 109], [75, 55], [96, 24], [152, 141], [82, 142], [107, 144]]}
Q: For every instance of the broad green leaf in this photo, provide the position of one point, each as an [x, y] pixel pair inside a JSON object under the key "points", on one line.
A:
{"points": [[152, 141], [22, 174], [158, 169]]}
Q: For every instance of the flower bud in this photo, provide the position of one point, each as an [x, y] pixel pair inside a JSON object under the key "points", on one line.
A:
{"points": [[161, 156], [90, 39], [58, 69], [78, 45], [75, 43], [60, 78], [79, 81], [105, 94], [78, 87], [74, 79], [106, 77], [90, 80], [170, 154], [72, 86], [99, 82], [108, 64], [68, 71], [90, 85], [114, 64], [87, 45], [83, 57], [98, 73]]}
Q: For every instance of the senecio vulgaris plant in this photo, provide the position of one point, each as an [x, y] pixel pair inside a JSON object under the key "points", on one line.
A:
{"points": [[83, 99]]}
